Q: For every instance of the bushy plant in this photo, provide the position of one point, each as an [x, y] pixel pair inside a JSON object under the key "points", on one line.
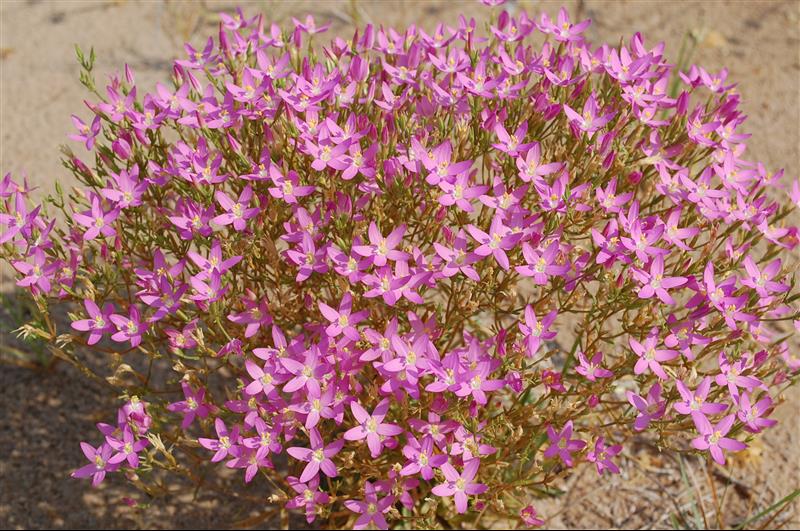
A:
{"points": [[434, 270]]}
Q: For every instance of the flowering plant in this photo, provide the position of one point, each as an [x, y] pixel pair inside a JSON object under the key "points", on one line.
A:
{"points": [[410, 278]]}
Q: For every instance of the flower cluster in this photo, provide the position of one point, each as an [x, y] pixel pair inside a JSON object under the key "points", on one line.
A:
{"points": [[435, 270]]}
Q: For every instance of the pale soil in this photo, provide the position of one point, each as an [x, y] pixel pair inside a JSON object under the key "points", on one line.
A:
{"points": [[45, 415]]}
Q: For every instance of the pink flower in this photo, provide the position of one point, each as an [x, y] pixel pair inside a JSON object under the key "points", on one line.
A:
{"points": [[694, 403], [651, 357], [652, 408], [591, 120], [592, 369], [458, 259], [563, 30], [86, 134], [287, 188], [531, 169], [382, 249], [371, 427], [38, 274], [99, 463], [225, 442], [96, 220], [562, 445], [307, 374], [761, 280], [476, 383], [421, 458], [129, 328], [602, 454], [712, 438], [236, 212], [127, 448], [193, 406], [541, 265], [500, 240], [371, 509], [529, 517], [752, 415], [460, 486], [511, 144], [309, 497], [536, 332], [342, 320], [318, 456], [655, 283]]}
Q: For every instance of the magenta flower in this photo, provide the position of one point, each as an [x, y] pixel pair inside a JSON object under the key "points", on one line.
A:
{"points": [[752, 415], [99, 463], [602, 454], [511, 144], [307, 374], [309, 497], [531, 169], [712, 438], [342, 320], [127, 190], [461, 192], [529, 517], [37, 275], [476, 383], [287, 188], [127, 448], [371, 509], [382, 249], [608, 198], [562, 445], [193, 405], [129, 328], [731, 374], [421, 458], [468, 444], [86, 134], [317, 407], [318, 456], [328, 155], [249, 459], [458, 259], [592, 369], [215, 263], [562, 29], [236, 212], [264, 379], [371, 427], [694, 403], [98, 323], [591, 120], [552, 380], [96, 220], [655, 283], [651, 408], [499, 240], [641, 241], [541, 265], [675, 235], [761, 280], [21, 220], [651, 357], [536, 332], [225, 442], [255, 316], [460, 486]]}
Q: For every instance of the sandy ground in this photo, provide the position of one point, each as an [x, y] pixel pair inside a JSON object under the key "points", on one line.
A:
{"points": [[43, 415]]}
